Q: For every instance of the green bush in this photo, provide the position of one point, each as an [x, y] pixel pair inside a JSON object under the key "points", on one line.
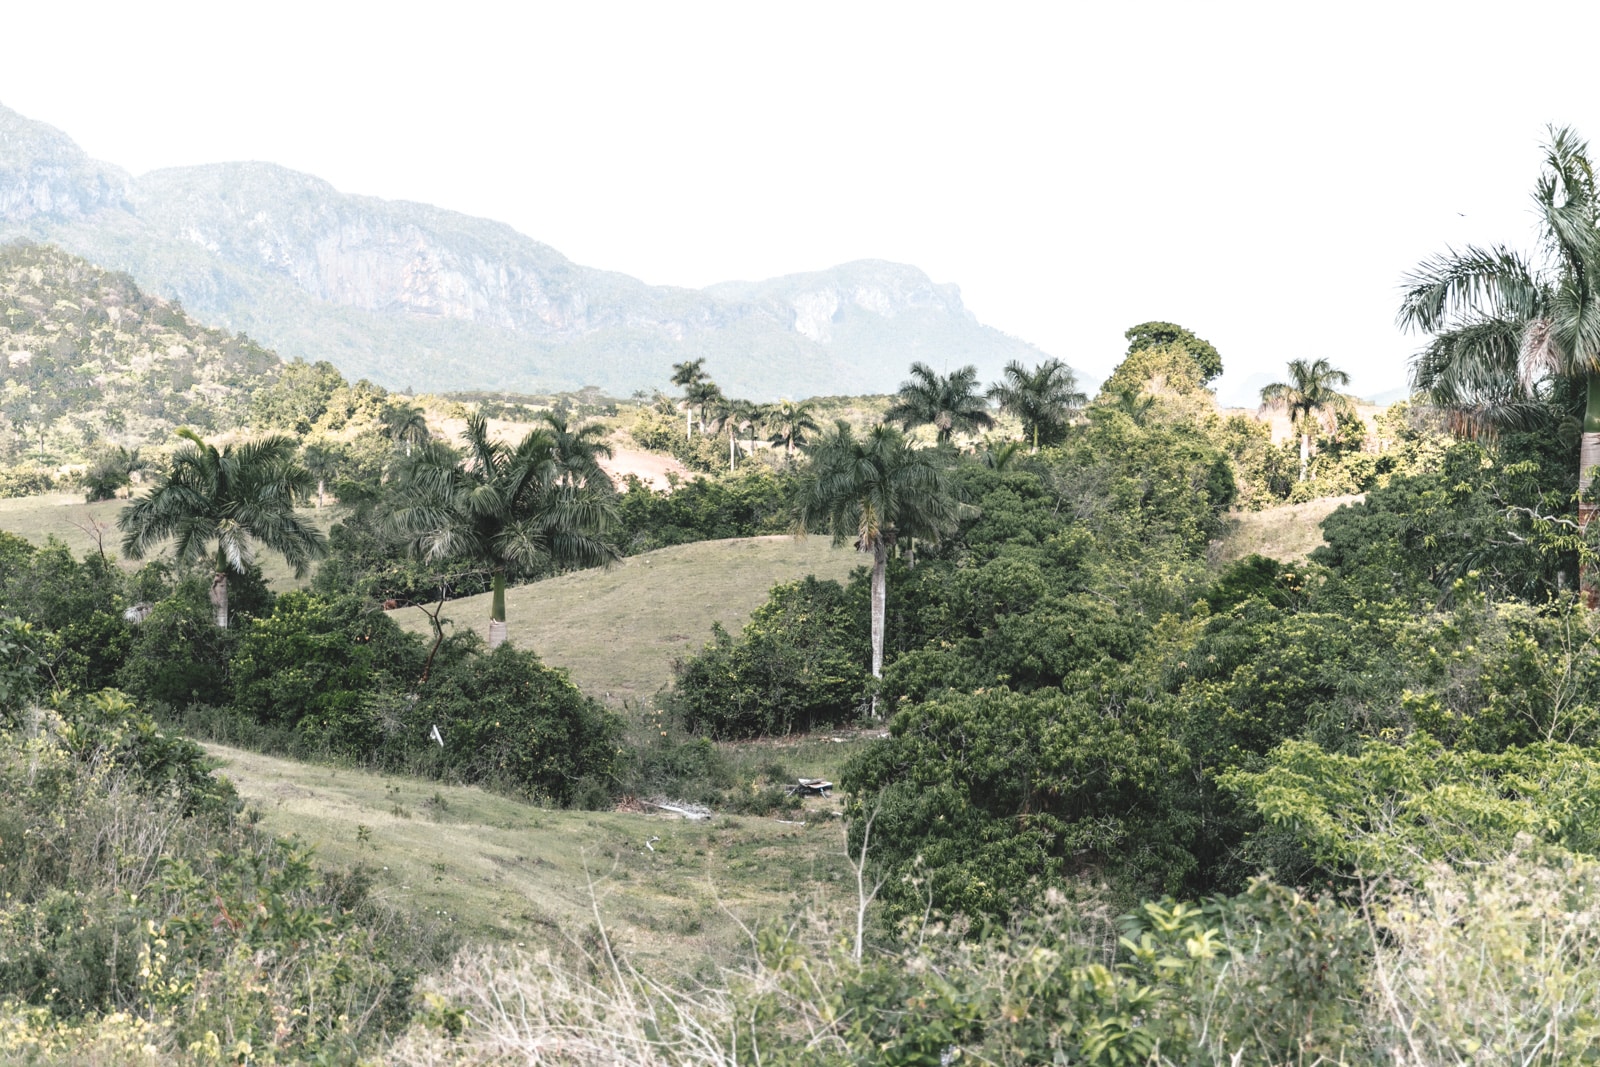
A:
{"points": [[508, 721], [313, 662], [799, 663]]}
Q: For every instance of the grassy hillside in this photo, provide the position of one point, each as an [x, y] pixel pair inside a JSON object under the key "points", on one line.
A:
{"points": [[68, 518], [618, 630], [1289, 532], [505, 871]]}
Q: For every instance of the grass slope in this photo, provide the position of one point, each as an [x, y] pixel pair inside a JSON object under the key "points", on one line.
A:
{"points": [[1286, 533], [68, 518], [618, 631], [506, 871]]}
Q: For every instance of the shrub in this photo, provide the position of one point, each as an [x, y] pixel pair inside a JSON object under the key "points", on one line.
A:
{"points": [[511, 722], [799, 663], [313, 662]]}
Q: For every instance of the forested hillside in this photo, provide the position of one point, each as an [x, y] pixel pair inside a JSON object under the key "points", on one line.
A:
{"points": [[88, 358]]}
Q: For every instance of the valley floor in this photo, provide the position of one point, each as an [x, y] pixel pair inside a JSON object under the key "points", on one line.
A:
{"points": [[669, 890]]}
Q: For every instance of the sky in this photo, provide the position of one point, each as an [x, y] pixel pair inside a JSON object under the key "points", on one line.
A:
{"points": [[1263, 174]]}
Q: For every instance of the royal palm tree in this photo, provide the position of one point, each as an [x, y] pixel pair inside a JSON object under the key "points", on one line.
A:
{"points": [[948, 403], [405, 424], [231, 499], [877, 489], [577, 452], [1308, 395], [506, 507], [790, 424], [1045, 398], [706, 400], [1505, 327], [744, 415], [689, 374], [321, 462]]}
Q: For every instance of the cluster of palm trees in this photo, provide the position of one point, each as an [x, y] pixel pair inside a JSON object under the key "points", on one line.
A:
{"points": [[508, 508], [787, 424]]}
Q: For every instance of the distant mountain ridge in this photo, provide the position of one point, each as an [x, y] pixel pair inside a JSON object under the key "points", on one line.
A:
{"points": [[411, 295]]}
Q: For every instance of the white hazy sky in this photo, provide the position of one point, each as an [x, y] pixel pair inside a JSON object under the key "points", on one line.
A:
{"points": [[1263, 174]]}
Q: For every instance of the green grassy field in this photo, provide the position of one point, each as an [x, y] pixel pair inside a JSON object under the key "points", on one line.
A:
{"points": [[87, 528], [505, 871], [619, 630], [1285, 533]]}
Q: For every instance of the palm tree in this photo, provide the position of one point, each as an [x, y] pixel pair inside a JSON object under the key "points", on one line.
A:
{"points": [[947, 403], [705, 397], [1129, 399], [689, 374], [875, 488], [1307, 395], [744, 415], [1504, 327], [322, 463], [790, 423], [405, 424], [1045, 399], [509, 508], [233, 498], [577, 452]]}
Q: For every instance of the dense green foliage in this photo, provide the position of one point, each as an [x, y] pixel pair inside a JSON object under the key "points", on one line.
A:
{"points": [[1156, 334]]}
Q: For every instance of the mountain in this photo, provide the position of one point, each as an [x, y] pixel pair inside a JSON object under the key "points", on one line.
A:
{"points": [[411, 295]]}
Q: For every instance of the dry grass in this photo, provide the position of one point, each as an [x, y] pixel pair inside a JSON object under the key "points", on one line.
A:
{"points": [[619, 630], [66, 517], [510, 872], [1286, 533]]}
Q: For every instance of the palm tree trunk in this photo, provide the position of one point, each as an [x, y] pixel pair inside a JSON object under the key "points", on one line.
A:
{"points": [[321, 490], [497, 610], [688, 422], [1305, 454], [730, 444], [1588, 459], [880, 601], [219, 592]]}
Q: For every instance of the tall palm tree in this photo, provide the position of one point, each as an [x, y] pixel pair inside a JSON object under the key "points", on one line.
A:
{"points": [[231, 498], [875, 488], [948, 403], [1309, 394], [706, 400], [321, 462], [689, 374], [1045, 398], [744, 415], [577, 452], [1505, 327], [405, 424], [506, 507], [790, 424]]}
